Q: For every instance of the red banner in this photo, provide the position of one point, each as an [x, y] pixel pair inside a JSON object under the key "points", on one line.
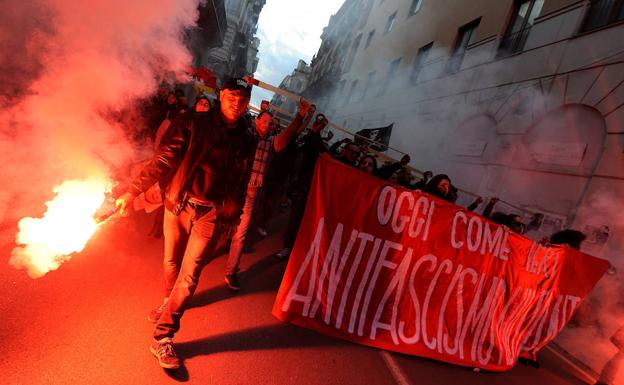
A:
{"points": [[401, 270]]}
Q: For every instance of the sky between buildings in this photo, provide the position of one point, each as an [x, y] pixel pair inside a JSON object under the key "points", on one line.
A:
{"points": [[289, 30]]}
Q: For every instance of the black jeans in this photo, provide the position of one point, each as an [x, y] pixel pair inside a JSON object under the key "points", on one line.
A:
{"points": [[270, 195], [190, 240], [299, 199]]}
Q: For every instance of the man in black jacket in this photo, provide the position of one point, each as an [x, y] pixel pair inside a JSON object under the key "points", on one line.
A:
{"points": [[313, 146], [208, 158]]}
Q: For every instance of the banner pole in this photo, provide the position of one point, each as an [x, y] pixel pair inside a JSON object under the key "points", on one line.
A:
{"points": [[296, 98], [386, 157], [274, 89]]}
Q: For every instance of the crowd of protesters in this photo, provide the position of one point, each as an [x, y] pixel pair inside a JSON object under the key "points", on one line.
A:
{"points": [[440, 185], [287, 170], [220, 170]]}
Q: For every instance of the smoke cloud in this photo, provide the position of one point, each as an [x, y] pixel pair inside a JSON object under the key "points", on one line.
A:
{"points": [[603, 312], [69, 84]]}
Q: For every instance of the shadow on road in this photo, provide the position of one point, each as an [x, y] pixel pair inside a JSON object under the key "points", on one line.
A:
{"points": [[181, 374], [258, 277], [259, 338]]}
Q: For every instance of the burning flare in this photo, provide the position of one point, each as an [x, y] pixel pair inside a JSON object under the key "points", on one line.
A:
{"points": [[65, 228]]}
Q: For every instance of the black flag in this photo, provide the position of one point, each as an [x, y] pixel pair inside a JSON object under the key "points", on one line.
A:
{"points": [[375, 138]]}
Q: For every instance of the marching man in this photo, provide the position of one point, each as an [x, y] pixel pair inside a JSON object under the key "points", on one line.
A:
{"points": [[209, 158]]}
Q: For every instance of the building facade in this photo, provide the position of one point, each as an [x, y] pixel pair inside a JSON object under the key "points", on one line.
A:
{"points": [[238, 55], [340, 41], [210, 29], [296, 83], [517, 99]]}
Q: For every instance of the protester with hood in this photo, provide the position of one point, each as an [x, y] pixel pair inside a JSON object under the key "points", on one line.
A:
{"points": [[440, 186], [368, 164], [335, 148], [568, 237], [349, 154], [202, 104]]}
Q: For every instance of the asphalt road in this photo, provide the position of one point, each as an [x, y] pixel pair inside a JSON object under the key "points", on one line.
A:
{"points": [[86, 324]]}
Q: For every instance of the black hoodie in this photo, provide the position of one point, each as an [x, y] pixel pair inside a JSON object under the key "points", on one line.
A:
{"points": [[432, 188]]}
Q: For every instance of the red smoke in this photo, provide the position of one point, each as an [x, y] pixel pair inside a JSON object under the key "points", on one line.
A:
{"points": [[71, 66]]}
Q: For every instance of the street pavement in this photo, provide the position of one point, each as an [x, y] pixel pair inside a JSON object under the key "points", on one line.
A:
{"points": [[85, 323]]}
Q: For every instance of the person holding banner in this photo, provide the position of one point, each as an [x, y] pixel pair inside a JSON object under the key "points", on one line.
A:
{"points": [[267, 146], [313, 146], [408, 272], [348, 154], [440, 186], [384, 172], [368, 164]]}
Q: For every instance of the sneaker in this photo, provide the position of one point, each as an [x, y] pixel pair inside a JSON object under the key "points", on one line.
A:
{"points": [[231, 280], [163, 350], [262, 231], [154, 315], [284, 253]]}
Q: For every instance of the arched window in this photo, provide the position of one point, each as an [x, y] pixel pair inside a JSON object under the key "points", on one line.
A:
{"points": [[568, 139]]}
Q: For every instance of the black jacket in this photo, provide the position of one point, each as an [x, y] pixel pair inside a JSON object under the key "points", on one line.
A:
{"points": [[207, 161], [432, 188], [313, 146]]}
